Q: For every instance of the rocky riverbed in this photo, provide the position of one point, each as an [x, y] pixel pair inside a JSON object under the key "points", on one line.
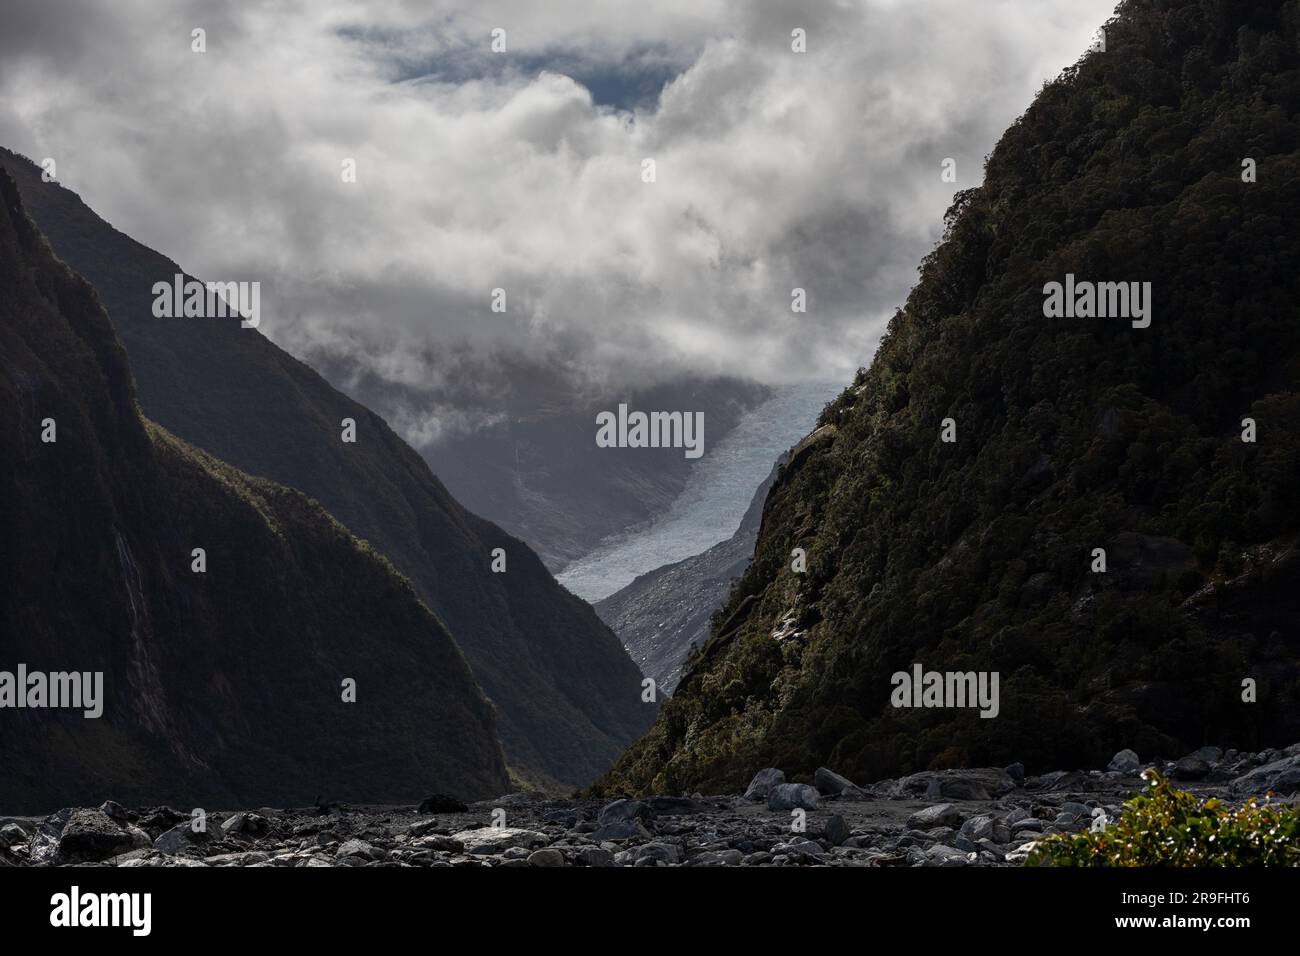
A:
{"points": [[978, 817]]}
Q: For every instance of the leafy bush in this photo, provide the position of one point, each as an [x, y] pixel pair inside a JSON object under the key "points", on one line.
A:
{"points": [[1171, 827]]}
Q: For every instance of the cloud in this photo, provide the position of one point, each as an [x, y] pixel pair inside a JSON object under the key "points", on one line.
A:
{"points": [[477, 170]]}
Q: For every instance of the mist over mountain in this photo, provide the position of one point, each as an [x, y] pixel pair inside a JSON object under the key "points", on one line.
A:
{"points": [[522, 170], [567, 695], [224, 686], [525, 456], [1102, 510]]}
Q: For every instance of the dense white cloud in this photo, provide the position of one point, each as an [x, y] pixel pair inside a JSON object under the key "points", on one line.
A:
{"points": [[479, 170]]}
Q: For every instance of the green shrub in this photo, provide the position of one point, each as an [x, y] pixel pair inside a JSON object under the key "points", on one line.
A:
{"points": [[1171, 827]]}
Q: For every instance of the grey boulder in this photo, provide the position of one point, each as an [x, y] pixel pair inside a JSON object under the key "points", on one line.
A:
{"points": [[180, 837], [622, 830], [981, 783], [1191, 768], [499, 839], [939, 815], [791, 796], [763, 783], [831, 784], [622, 810], [1125, 762], [1281, 777]]}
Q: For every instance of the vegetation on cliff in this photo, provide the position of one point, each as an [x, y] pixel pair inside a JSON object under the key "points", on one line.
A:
{"points": [[1071, 435]]}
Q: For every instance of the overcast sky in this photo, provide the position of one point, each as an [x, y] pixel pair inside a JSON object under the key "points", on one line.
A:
{"points": [[523, 170]]}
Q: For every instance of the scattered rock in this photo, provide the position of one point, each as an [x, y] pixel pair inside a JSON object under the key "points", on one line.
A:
{"points": [[546, 857], [939, 815], [978, 828], [115, 812], [835, 831], [1191, 768], [1211, 755], [179, 838], [359, 848], [595, 856], [11, 834], [977, 784], [248, 823], [947, 856], [655, 852], [90, 835], [622, 810], [499, 839], [718, 858], [247, 858], [1018, 856], [789, 796], [800, 847], [437, 841], [622, 830], [653, 831], [831, 784], [157, 820], [763, 783], [1125, 762], [1281, 777]]}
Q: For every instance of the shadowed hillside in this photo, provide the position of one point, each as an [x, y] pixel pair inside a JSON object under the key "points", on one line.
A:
{"points": [[222, 687], [567, 695], [1072, 434]]}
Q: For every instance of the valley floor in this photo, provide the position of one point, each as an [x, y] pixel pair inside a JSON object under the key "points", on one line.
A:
{"points": [[980, 817]]}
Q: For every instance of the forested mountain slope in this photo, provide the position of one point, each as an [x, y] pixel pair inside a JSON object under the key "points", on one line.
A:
{"points": [[1072, 434]]}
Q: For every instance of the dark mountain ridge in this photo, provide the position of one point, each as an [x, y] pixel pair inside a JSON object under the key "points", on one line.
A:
{"points": [[218, 688], [1071, 435], [567, 695]]}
